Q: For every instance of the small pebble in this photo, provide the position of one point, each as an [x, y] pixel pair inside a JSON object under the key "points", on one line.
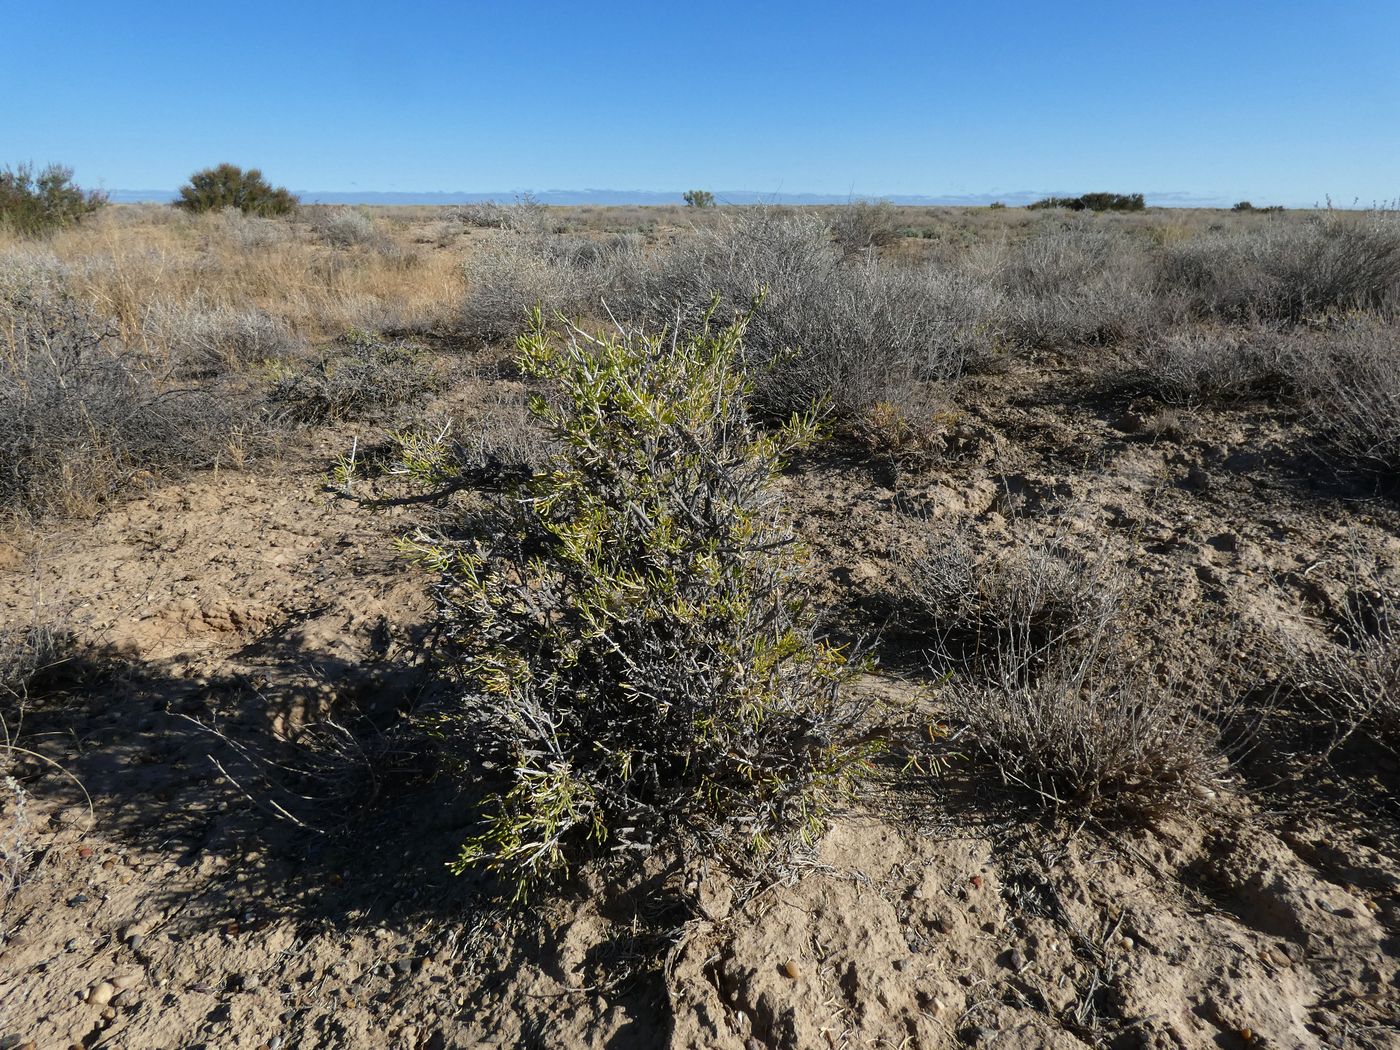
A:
{"points": [[1126, 943], [1016, 960], [976, 881], [84, 852], [101, 994], [1247, 1035], [790, 968]]}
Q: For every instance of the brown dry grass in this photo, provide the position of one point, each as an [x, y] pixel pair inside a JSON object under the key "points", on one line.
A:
{"points": [[132, 260]]}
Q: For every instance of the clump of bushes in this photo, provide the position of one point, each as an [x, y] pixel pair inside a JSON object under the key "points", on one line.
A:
{"points": [[32, 204], [852, 332], [482, 215], [1347, 371], [1210, 363], [698, 199], [1287, 272], [25, 652], [229, 186], [1094, 202], [633, 640], [561, 274], [361, 374], [349, 228], [1080, 283], [80, 415]]}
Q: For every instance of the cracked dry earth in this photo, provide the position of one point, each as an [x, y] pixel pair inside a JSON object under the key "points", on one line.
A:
{"points": [[209, 898]]}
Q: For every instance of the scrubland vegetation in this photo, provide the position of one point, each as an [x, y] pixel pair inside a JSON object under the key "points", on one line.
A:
{"points": [[740, 525]]}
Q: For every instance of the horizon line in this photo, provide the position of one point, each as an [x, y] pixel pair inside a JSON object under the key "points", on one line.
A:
{"points": [[661, 198]]}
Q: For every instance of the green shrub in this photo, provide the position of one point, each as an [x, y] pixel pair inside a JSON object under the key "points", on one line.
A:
{"points": [[229, 186], [634, 640], [32, 204], [1095, 202], [698, 198]]}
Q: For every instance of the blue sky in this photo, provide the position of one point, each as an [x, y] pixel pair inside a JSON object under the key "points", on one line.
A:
{"points": [[1278, 102]]}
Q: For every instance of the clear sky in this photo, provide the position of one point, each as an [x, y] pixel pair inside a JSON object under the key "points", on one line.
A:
{"points": [[1274, 101]]}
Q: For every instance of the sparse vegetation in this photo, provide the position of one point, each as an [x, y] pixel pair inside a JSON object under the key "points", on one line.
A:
{"points": [[1211, 363], [1059, 578], [349, 228], [229, 186]]}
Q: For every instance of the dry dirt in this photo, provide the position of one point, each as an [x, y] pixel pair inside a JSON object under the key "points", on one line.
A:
{"points": [[232, 886]]}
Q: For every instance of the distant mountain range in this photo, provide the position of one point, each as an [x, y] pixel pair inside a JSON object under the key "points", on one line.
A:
{"points": [[613, 198]]}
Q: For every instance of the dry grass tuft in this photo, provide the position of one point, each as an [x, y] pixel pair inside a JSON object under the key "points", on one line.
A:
{"points": [[1044, 682]]}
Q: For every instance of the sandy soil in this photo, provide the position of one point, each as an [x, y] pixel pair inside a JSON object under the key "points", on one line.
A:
{"points": [[235, 886]]}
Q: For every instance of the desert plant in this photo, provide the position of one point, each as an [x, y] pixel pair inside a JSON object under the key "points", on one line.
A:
{"points": [[199, 339], [634, 642], [361, 374], [32, 204], [483, 215], [1348, 373], [852, 333], [80, 415], [349, 227], [1355, 676], [229, 186], [863, 225], [1209, 364], [561, 274], [1286, 272], [1081, 282], [1094, 202], [1036, 644], [16, 830], [698, 199]]}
